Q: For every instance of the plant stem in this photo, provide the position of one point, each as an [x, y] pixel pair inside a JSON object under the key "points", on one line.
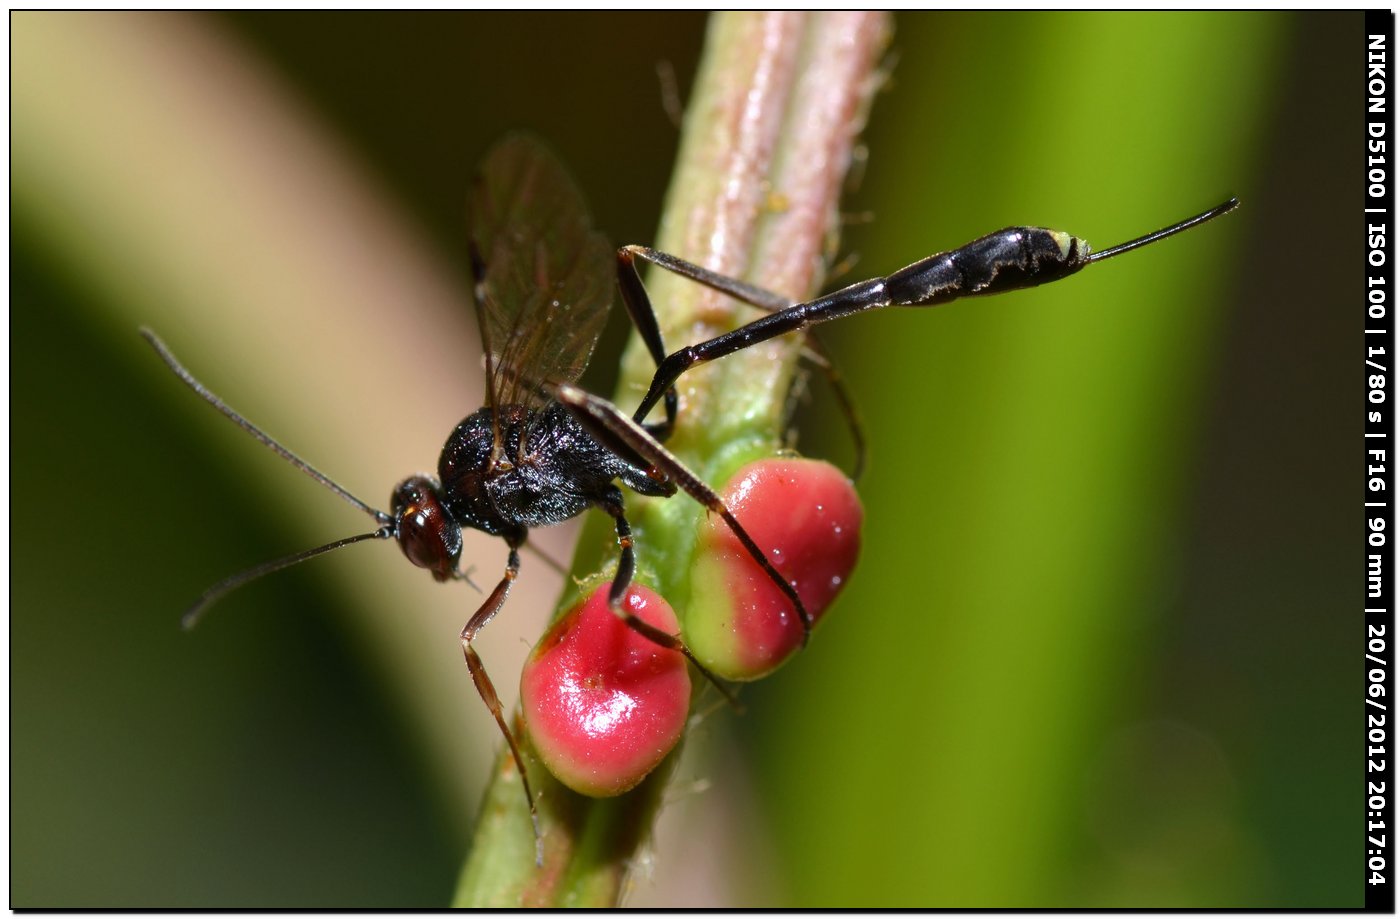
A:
{"points": [[768, 137]]}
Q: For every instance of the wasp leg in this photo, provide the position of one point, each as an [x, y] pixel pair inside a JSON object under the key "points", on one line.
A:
{"points": [[638, 303], [487, 691], [600, 415]]}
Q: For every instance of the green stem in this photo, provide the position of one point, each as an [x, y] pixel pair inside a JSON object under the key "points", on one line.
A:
{"points": [[767, 140]]}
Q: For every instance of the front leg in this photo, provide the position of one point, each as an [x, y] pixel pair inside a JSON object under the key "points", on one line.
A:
{"points": [[487, 690]]}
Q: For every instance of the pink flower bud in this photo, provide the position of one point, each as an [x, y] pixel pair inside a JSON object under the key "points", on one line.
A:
{"points": [[604, 705], [806, 515]]}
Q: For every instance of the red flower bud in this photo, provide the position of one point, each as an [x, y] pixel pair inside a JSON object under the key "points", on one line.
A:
{"points": [[604, 704], [806, 515]]}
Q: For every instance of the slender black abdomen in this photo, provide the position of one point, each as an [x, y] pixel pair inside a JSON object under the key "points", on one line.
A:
{"points": [[1009, 259]]}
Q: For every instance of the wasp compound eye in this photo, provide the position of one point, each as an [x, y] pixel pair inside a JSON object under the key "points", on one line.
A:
{"points": [[604, 704], [426, 532], [807, 517]]}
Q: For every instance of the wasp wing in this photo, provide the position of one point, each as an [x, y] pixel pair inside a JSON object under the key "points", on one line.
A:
{"points": [[543, 278]]}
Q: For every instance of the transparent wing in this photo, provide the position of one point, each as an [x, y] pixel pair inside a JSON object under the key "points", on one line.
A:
{"points": [[543, 275]]}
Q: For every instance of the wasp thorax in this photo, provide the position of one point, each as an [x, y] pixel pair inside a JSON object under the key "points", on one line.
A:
{"points": [[425, 530]]}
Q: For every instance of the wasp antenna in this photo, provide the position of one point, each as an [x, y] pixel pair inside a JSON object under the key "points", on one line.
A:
{"points": [[1172, 230], [233, 581], [188, 379]]}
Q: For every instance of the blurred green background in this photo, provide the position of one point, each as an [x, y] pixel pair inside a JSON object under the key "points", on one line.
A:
{"points": [[1103, 645]]}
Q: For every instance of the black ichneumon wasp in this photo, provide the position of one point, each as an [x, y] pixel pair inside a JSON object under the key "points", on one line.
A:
{"points": [[542, 450]]}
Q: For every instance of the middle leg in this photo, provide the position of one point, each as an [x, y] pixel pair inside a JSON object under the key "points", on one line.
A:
{"points": [[617, 591], [612, 424]]}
